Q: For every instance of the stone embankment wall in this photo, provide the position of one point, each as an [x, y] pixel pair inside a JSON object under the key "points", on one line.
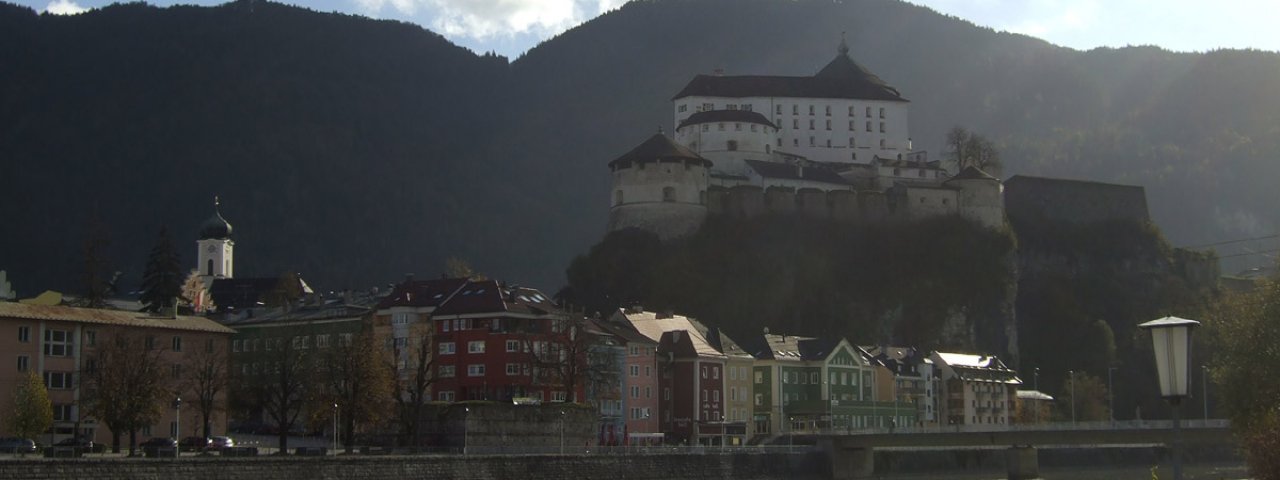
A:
{"points": [[778, 466]]}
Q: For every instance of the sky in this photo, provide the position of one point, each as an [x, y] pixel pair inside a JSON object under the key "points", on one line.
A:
{"points": [[510, 27]]}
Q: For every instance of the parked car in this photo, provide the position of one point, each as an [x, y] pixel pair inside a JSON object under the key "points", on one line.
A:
{"points": [[159, 442], [219, 443], [83, 443], [194, 444], [17, 445]]}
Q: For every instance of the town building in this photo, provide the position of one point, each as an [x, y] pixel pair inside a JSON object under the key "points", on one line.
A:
{"points": [[640, 388], [604, 381], [979, 389], [914, 381], [62, 344]]}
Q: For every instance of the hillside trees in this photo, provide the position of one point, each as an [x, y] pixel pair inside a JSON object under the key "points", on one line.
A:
{"points": [[124, 383], [969, 149], [1087, 394], [31, 413], [1245, 330], [162, 278]]}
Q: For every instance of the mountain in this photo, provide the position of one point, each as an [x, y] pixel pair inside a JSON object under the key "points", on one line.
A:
{"points": [[356, 150]]}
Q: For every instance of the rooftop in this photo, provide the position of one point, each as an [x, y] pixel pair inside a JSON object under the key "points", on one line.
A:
{"points": [[109, 317]]}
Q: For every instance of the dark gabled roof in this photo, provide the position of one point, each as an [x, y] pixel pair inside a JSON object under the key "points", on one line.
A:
{"points": [[304, 313], [817, 348], [973, 173], [658, 148], [841, 78], [240, 293], [793, 172], [487, 296], [715, 116], [893, 162], [422, 293]]}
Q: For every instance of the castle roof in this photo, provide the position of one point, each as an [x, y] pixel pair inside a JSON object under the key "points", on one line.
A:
{"points": [[714, 116], [794, 172], [658, 148], [841, 78]]}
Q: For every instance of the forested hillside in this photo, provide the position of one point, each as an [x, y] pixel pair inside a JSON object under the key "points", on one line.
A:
{"points": [[355, 150]]}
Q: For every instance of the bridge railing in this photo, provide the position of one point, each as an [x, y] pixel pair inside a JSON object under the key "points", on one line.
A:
{"points": [[1024, 427]]}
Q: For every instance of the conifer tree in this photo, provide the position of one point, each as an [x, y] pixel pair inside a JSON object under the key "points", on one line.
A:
{"points": [[162, 279], [32, 413]]}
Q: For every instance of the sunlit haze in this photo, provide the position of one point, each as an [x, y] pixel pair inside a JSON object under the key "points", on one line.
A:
{"points": [[511, 27]]}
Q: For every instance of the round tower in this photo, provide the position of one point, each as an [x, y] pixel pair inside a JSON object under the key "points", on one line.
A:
{"points": [[980, 197], [214, 248], [659, 186], [728, 137]]}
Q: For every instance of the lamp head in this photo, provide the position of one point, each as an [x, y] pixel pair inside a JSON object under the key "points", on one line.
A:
{"points": [[1171, 342]]}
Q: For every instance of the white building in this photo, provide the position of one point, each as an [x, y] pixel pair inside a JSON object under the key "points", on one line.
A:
{"points": [[214, 248], [978, 389]]}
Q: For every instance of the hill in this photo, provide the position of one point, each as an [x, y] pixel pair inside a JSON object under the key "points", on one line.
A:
{"points": [[356, 150]]}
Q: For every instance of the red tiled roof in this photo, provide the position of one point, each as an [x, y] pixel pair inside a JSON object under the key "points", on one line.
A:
{"points": [[422, 293]]}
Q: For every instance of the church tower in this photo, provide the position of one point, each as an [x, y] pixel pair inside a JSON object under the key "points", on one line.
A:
{"points": [[215, 247]]}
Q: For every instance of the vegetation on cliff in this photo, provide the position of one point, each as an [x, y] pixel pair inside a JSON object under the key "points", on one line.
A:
{"points": [[1244, 330]]}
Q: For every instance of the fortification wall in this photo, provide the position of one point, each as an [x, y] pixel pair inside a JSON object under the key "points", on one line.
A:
{"points": [[666, 219], [526, 467], [1073, 201]]}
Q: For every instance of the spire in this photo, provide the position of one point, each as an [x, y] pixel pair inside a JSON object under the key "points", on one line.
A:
{"points": [[215, 203], [843, 49]]}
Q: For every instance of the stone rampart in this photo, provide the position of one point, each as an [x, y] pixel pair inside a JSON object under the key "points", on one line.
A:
{"points": [[771, 466]]}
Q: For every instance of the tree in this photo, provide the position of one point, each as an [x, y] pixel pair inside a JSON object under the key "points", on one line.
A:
{"points": [[97, 284], [282, 387], [968, 149], [1245, 330], [412, 368], [1090, 398], [455, 267], [562, 356], [205, 380], [32, 413], [125, 386], [358, 381], [162, 279]]}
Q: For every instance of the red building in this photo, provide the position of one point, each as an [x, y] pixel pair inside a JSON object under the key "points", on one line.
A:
{"points": [[691, 377], [494, 342]]}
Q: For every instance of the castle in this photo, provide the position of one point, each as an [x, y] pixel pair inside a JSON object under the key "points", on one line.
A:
{"points": [[833, 145]]}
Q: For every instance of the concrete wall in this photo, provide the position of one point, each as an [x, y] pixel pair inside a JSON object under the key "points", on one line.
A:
{"points": [[532, 467]]}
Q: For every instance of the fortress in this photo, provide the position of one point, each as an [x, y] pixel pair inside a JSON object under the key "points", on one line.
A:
{"points": [[833, 145]]}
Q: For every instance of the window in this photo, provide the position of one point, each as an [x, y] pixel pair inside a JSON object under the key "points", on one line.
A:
{"points": [[617, 200], [446, 371], [868, 126], [811, 142], [851, 112], [704, 395], [755, 128], [513, 369], [475, 370], [24, 363], [778, 109], [759, 377], [90, 338], [344, 339], [235, 345], [795, 109], [828, 124], [666, 393], [177, 344], [720, 126], [737, 127], [57, 343], [668, 194], [322, 341], [476, 346], [150, 342], [810, 109], [881, 112], [795, 123], [881, 127], [146, 430], [733, 373], [715, 372], [881, 143], [635, 391], [828, 110], [704, 372], [852, 143], [682, 108], [634, 351], [446, 396], [559, 396], [447, 348], [868, 112], [730, 106], [706, 127], [810, 124], [648, 392], [708, 107], [635, 370], [63, 413], [513, 345], [24, 334], [732, 145], [57, 380], [795, 142], [813, 378]]}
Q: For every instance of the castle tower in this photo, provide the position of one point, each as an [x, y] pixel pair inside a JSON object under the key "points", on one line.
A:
{"points": [[214, 248], [980, 197], [659, 186]]}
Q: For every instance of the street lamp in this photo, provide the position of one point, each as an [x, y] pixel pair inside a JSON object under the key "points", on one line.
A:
{"points": [[1072, 375], [562, 432], [1204, 391], [177, 424], [1111, 397], [1037, 383], [1171, 342], [335, 428], [465, 413]]}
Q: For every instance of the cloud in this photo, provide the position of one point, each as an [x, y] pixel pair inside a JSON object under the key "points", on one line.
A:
{"points": [[64, 7], [482, 19]]}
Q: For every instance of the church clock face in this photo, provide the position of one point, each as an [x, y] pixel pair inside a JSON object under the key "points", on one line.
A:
{"points": [[211, 248]]}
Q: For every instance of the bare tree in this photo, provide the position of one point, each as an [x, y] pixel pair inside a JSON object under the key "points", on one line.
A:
{"points": [[206, 378], [412, 367], [281, 386], [563, 355], [358, 382], [968, 149], [124, 384]]}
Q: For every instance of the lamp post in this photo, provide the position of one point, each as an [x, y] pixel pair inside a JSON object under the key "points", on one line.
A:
{"points": [[1204, 391], [1072, 375], [335, 428], [1171, 342], [465, 413], [1038, 405], [177, 424], [1111, 397], [562, 432]]}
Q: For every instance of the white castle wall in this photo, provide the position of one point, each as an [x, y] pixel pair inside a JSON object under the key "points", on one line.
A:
{"points": [[751, 141]]}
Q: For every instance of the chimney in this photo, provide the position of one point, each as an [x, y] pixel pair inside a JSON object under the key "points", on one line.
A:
{"points": [[665, 314]]}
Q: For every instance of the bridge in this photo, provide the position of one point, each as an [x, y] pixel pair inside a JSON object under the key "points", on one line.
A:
{"points": [[852, 453]]}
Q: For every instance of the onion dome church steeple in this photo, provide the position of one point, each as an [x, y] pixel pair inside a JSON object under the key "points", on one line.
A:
{"points": [[215, 226], [214, 248]]}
